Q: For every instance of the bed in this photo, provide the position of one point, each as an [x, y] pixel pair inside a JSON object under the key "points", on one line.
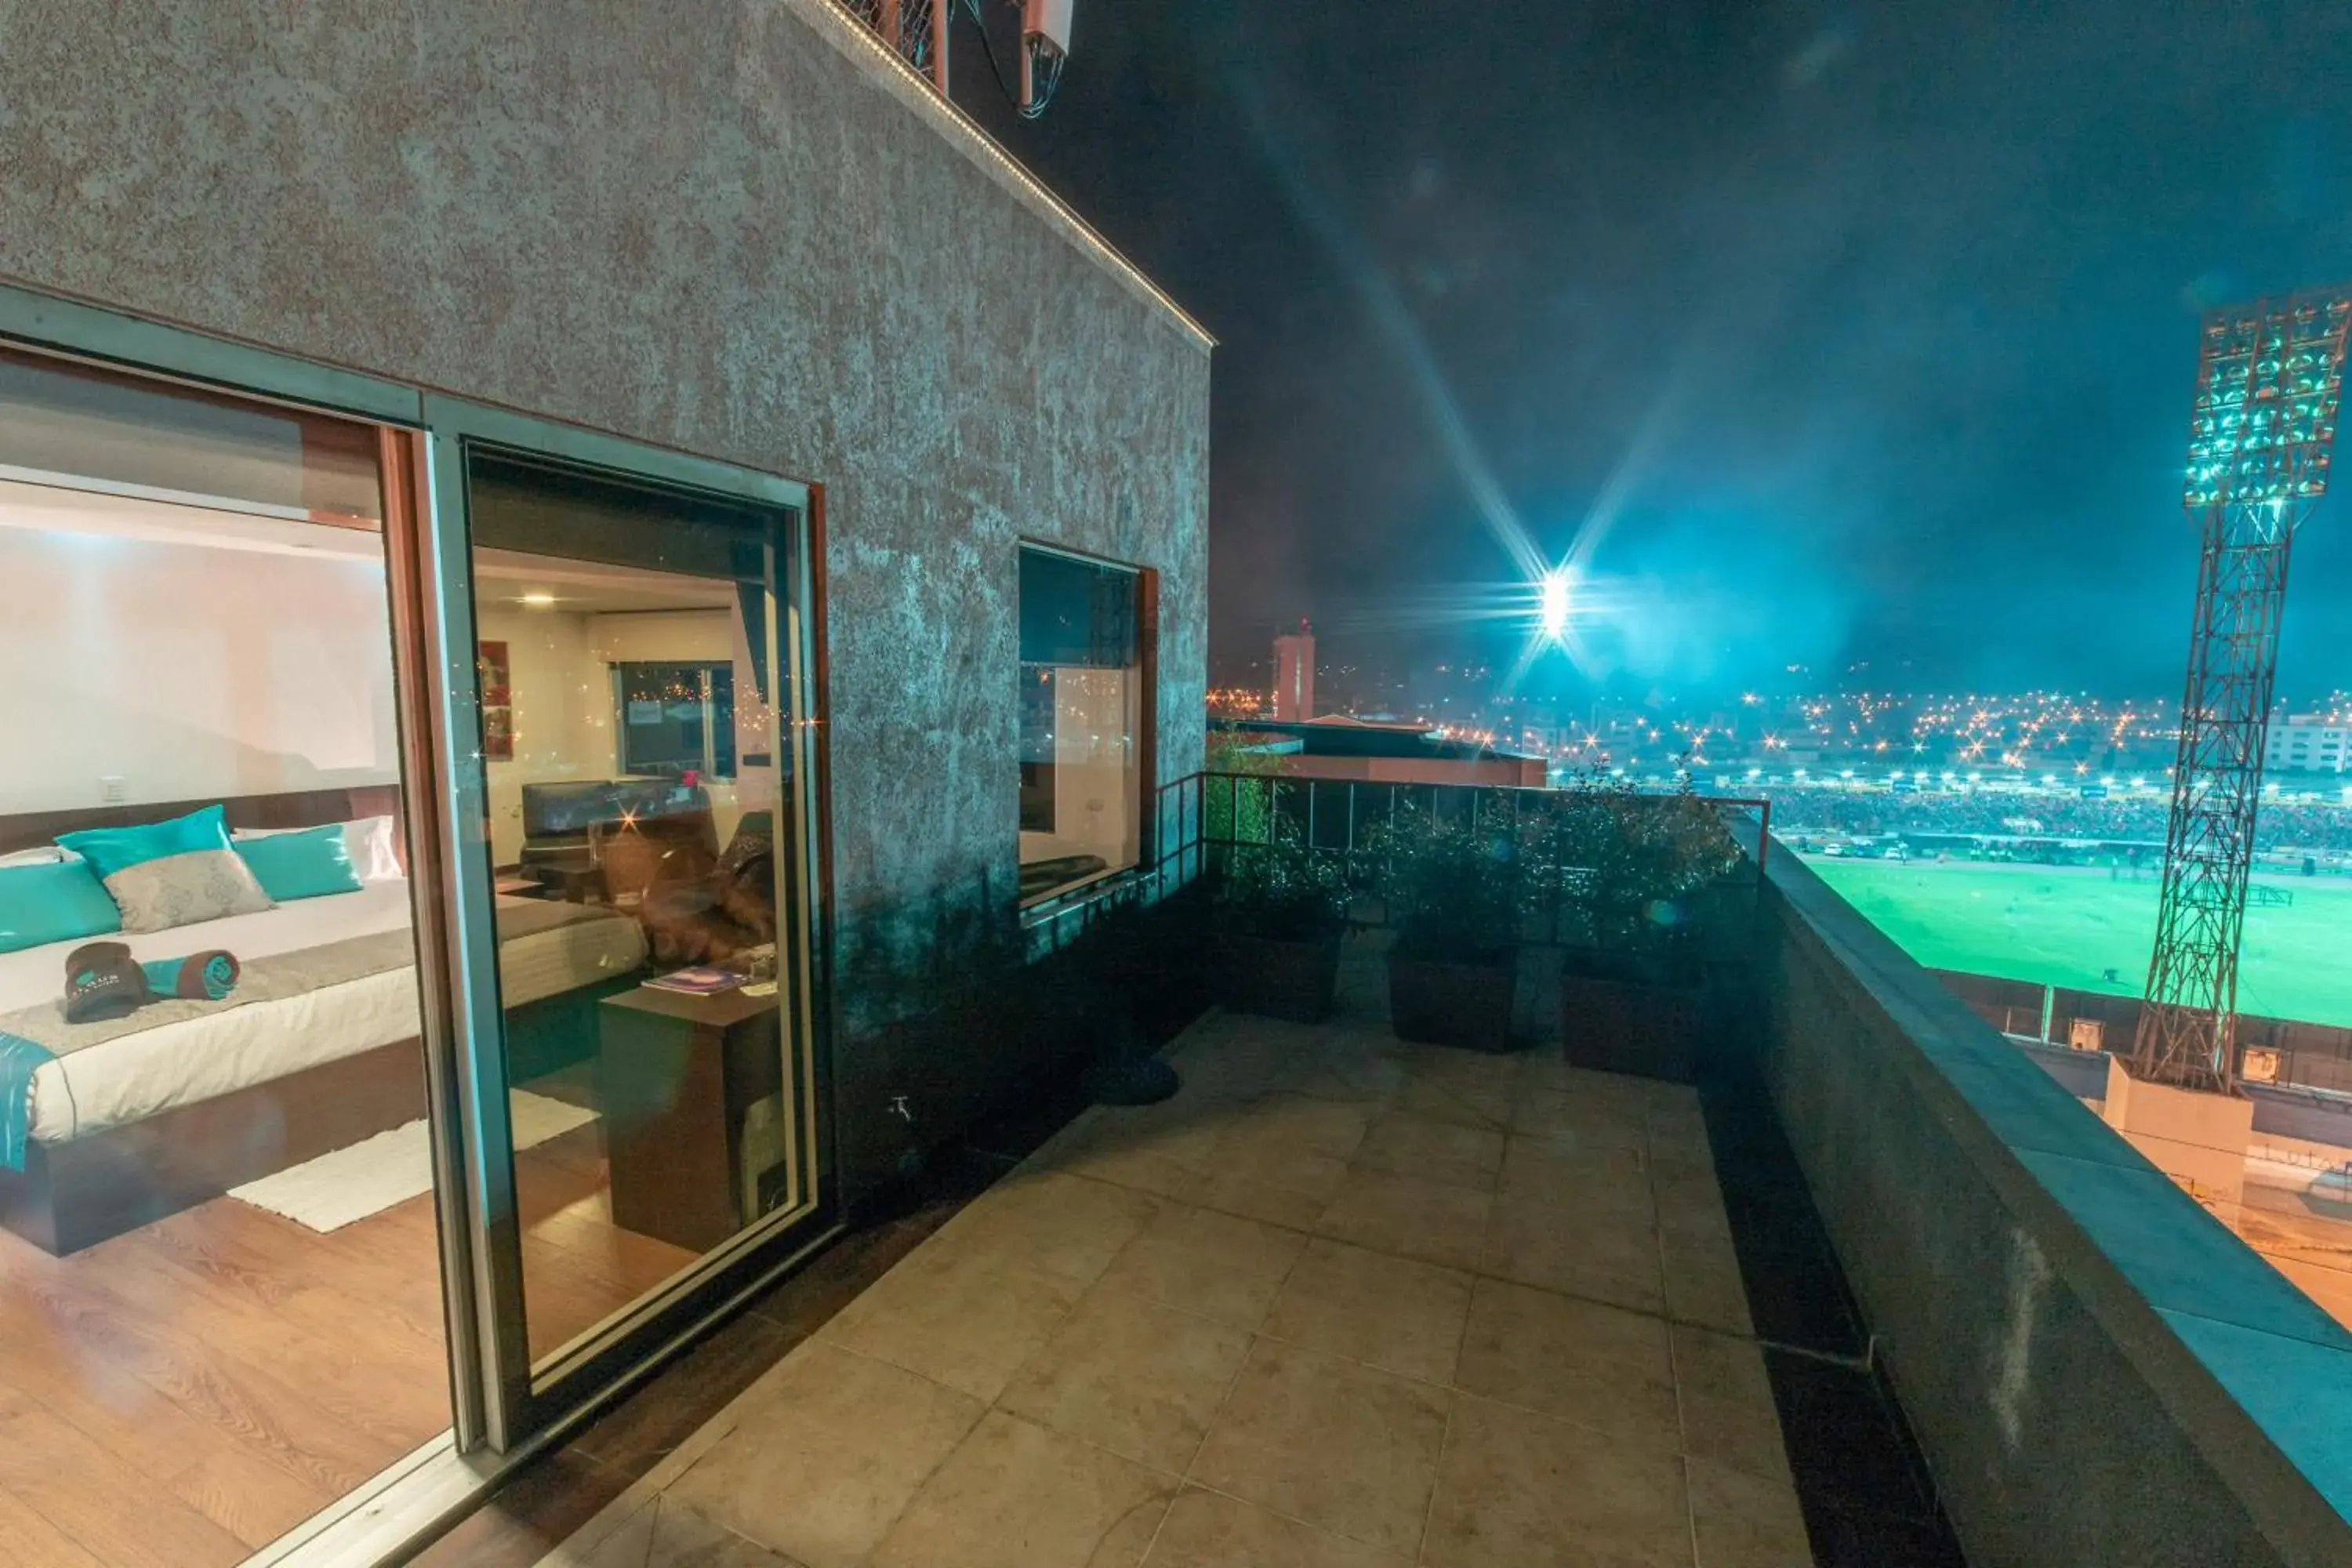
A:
{"points": [[174, 1112]]}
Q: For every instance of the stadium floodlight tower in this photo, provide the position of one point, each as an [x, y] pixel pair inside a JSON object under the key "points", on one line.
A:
{"points": [[2269, 376]]}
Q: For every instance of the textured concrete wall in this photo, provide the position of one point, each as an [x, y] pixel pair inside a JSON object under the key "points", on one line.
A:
{"points": [[2100, 1374], [722, 227]]}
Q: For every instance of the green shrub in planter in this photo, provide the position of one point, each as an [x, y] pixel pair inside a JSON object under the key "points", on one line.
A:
{"points": [[1630, 867], [1281, 908], [1454, 881]]}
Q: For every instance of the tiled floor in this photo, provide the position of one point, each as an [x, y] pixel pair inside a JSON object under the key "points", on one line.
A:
{"points": [[1342, 1303]]}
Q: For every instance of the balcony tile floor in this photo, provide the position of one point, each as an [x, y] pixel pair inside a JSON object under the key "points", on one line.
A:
{"points": [[1341, 1303]]}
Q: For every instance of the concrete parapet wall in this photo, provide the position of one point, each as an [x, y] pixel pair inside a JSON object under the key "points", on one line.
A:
{"points": [[2099, 1372]]}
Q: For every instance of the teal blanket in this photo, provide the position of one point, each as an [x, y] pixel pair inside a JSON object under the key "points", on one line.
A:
{"points": [[20, 1059]]}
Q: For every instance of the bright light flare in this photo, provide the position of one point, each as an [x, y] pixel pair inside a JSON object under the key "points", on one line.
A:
{"points": [[1552, 604]]}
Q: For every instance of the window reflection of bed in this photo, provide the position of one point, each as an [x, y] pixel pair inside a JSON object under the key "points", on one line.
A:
{"points": [[213, 1095]]}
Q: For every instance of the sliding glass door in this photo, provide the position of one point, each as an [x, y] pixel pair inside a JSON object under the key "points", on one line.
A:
{"points": [[633, 822], [220, 1300], [408, 893]]}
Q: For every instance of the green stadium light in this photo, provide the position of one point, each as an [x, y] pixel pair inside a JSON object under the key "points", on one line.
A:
{"points": [[2269, 380], [2268, 387]]}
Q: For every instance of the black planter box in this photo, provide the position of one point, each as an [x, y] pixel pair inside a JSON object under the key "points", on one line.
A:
{"points": [[1616, 1019], [1276, 979], [1434, 1003]]}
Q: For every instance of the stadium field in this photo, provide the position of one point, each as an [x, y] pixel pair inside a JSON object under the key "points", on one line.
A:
{"points": [[2067, 927]]}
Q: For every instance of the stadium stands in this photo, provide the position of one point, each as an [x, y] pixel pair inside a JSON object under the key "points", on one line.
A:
{"points": [[2287, 826]]}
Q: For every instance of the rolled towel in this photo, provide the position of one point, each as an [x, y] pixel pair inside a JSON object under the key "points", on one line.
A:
{"points": [[102, 981], [199, 977]]}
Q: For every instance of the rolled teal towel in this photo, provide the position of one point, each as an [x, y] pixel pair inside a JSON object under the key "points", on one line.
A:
{"points": [[199, 977]]}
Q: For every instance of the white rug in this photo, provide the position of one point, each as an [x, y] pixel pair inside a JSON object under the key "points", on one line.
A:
{"points": [[331, 1191]]}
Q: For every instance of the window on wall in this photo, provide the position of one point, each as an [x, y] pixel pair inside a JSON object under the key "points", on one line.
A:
{"points": [[676, 719], [1080, 707]]}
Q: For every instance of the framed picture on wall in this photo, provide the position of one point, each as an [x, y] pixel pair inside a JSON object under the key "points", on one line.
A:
{"points": [[497, 682]]}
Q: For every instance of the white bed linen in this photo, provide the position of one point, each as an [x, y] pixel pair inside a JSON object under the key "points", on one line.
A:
{"points": [[135, 1075]]}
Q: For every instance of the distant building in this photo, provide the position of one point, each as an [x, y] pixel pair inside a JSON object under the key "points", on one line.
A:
{"points": [[1294, 674], [1338, 747], [2307, 743]]}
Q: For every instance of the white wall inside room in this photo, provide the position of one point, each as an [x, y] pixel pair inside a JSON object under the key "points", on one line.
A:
{"points": [[559, 662], [562, 712], [654, 635], [1095, 774], [256, 664]]}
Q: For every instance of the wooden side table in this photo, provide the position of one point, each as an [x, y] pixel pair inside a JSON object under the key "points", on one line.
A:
{"points": [[675, 1075]]}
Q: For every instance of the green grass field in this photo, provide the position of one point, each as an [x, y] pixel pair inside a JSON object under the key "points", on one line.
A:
{"points": [[2068, 927]]}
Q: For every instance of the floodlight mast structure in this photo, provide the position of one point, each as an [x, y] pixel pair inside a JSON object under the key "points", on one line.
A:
{"points": [[2269, 378]]}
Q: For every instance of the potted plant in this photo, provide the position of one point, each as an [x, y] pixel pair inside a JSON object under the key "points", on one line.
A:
{"points": [[1453, 884], [1281, 908], [1630, 867]]}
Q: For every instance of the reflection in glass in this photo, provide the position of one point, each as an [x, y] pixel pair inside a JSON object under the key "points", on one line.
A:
{"points": [[634, 822], [217, 1230], [677, 719], [1080, 684]]}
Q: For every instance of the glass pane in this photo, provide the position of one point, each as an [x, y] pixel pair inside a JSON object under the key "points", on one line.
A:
{"points": [[677, 719], [207, 974], [633, 731], [81, 427], [1080, 682]]}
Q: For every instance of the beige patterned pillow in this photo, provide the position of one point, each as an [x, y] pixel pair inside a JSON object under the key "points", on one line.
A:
{"points": [[185, 889]]}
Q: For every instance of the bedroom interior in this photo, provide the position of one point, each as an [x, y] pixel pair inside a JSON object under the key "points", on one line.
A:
{"points": [[216, 1168], [639, 771]]}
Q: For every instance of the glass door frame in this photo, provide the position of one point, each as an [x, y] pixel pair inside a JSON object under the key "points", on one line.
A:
{"points": [[152, 350], [519, 1403], [420, 456]]}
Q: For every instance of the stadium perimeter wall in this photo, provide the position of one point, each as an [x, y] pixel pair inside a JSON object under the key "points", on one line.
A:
{"points": [[2318, 1055], [2099, 1373]]}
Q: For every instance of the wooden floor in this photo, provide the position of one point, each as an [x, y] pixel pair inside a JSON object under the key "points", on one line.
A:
{"points": [[578, 1267], [185, 1393]]}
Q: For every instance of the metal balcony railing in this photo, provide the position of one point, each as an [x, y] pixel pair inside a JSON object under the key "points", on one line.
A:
{"points": [[1198, 824], [915, 29], [1359, 827]]}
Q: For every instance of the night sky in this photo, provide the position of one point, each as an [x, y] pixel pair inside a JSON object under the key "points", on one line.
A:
{"points": [[1871, 330]]}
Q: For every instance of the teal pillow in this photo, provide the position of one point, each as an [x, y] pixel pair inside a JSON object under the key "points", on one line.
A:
{"points": [[113, 849], [57, 900], [307, 865], [167, 874]]}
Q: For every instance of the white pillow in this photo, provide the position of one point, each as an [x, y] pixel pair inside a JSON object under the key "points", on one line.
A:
{"points": [[368, 841], [39, 855]]}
